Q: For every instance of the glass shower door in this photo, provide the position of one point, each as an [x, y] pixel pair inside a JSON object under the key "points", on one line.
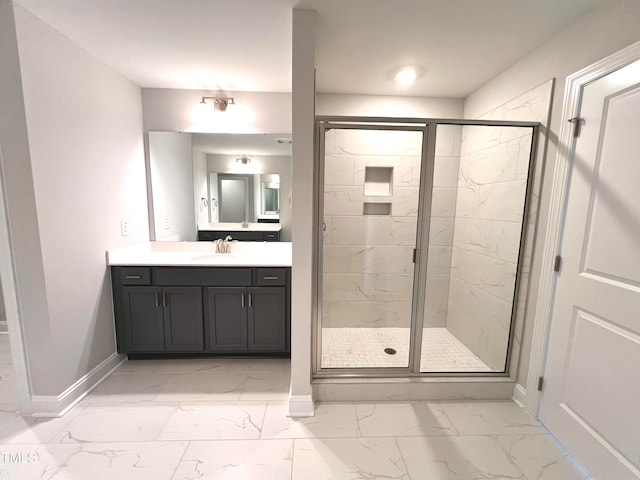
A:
{"points": [[369, 207]]}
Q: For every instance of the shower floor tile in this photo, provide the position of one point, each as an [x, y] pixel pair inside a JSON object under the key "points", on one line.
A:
{"points": [[364, 348]]}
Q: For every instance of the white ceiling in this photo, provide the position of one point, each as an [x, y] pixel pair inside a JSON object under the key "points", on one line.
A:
{"points": [[245, 45]]}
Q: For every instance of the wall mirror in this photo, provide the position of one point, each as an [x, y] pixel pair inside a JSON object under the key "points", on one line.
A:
{"points": [[200, 178]]}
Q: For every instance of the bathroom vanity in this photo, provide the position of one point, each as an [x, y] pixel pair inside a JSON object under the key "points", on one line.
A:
{"points": [[252, 232], [181, 298]]}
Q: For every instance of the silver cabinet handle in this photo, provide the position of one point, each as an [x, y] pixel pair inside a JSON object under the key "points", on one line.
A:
{"points": [[165, 299], [270, 278], [133, 277], [243, 299], [250, 299], [157, 299]]}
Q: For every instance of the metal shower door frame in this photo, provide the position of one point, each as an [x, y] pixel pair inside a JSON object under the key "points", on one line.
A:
{"points": [[428, 127]]}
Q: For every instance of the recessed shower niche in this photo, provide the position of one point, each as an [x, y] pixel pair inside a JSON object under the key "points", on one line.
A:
{"points": [[377, 181], [423, 245]]}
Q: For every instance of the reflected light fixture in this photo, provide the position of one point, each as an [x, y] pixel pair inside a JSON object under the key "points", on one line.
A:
{"points": [[219, 103], [243, 160]]}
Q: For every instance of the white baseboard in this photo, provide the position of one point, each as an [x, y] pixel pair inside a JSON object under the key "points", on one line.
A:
{"points": [[58, 405], [519, 395], [300, 406]]}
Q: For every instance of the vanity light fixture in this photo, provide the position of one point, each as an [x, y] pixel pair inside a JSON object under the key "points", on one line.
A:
{"points": [[243, 160], [219, 103]]}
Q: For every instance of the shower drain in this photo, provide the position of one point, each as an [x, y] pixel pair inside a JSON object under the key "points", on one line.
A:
{"points": [[390, 351]]}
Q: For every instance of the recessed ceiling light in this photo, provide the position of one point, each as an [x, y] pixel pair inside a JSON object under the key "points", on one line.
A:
{"points": [[406, 76]]}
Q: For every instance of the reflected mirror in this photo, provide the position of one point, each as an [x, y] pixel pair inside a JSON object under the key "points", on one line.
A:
{"points": [[201, 178]]}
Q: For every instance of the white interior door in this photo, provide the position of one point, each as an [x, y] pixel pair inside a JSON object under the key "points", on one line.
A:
{"points": [[591, 399]]}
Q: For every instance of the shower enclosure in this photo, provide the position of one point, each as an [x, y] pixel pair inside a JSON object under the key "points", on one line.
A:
{"points": [[421, 225]]}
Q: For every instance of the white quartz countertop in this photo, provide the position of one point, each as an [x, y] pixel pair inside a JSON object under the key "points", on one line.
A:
{"points": [[202, 254], [237, 227]]}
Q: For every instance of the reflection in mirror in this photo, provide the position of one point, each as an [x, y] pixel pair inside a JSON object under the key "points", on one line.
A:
{"points": [[238, 197], [203, 178]]}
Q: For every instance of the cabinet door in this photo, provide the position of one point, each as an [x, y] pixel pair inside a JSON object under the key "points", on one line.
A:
{"points": [[267, 319], [183, 319], [227, 319], [144, 329]]}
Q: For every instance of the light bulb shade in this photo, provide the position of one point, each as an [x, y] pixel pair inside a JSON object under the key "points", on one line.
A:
{"points": [[219, 103]]}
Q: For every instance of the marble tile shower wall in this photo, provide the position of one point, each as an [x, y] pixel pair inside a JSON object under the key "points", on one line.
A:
{"points": [[368, 269], [494, 165]]}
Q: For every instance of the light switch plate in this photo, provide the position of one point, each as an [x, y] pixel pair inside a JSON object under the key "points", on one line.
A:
{"points": [[124, 228]]}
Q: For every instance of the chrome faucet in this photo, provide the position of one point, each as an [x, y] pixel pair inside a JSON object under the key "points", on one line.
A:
{"points": [[223, 246]]}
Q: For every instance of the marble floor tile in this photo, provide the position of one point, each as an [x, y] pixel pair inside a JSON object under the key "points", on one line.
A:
{"points": [[143, 423], [93, 461], [469, 457], [139, 422], [236, 460], [195, 387], [206, 365], [16, 429], [493, 417], [266, 386], [128, 388], [540, 457], [215, 421], [348, 459], [402, 419], [330, 420]]}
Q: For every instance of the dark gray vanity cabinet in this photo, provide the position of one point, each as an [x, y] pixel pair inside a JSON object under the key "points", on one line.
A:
{"points": [[227, 319], [143, 320], [247, 319], [240, 235], [265, 332], [162, 319], [183, 319], [209, 310]]}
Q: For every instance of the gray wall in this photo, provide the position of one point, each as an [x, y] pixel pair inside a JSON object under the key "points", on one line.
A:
{"points": [[171, 174], [84, 123], [603, 31], [264, 164]]}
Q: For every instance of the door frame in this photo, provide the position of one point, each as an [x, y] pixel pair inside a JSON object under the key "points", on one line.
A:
{"points": [[23, 391], [556, 216]]}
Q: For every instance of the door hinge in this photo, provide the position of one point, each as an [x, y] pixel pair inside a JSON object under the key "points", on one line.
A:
{"points": [[557, 263], [577, 123], [540, 383], [415, 252]]}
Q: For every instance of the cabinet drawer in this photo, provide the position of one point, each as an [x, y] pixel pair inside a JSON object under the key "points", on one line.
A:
{"points": [[271, 276], [205, 235], [271, 236], [135, 275], [207, 277]]}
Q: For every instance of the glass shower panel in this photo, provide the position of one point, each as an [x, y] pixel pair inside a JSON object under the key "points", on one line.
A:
{"points": [[478, 203], [370, 208]]}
